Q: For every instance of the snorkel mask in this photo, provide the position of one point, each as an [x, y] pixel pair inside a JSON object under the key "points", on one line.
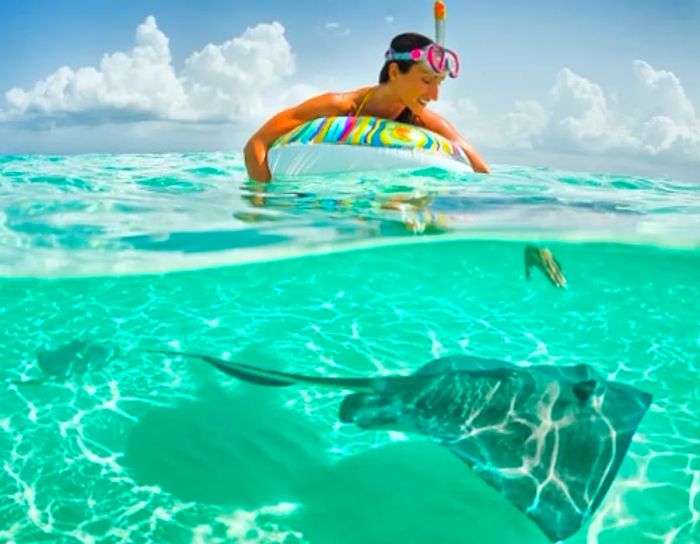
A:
{"points": [[435, 55]]}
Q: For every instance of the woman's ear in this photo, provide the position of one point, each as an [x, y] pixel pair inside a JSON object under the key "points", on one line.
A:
{"points": [[393, 71]]}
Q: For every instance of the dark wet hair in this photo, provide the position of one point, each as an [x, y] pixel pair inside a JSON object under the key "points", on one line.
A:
{"points": [[404, 43]]}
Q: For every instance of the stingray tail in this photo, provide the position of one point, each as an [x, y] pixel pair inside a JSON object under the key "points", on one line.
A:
{"points": [[273, 378]]}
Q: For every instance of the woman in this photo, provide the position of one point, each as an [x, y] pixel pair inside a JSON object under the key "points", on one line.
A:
{"points": [[415, 67]]}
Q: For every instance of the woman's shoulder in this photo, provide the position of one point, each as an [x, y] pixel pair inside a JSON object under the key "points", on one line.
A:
{"points": [[332, 102], [348, 101]]}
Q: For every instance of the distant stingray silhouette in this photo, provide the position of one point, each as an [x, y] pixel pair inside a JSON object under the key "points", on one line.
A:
{"points": [[72, 360], [551, 439]]}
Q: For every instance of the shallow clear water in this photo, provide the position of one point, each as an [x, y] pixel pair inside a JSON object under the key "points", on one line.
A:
{"points": [[130, 253], [106, 214]]}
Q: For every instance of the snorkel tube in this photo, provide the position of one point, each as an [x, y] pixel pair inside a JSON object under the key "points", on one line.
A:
{"points": [[440, 11]]}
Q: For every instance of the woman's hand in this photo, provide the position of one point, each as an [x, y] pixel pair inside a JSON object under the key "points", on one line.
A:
{"points": [[478, 164], [437, 123]]}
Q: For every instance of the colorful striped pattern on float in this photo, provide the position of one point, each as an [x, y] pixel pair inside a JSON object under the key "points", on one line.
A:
{"points": [[369, 132]]}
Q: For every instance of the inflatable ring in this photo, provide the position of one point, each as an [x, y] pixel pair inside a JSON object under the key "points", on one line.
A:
{"points": [[330, 145]]}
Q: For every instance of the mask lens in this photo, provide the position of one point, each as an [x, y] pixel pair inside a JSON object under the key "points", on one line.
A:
{"points": [[441, 59], [436, 58], [452, 62]]}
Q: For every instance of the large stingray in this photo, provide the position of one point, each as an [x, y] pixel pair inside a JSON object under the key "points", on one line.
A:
{"points": [[551, 439]]}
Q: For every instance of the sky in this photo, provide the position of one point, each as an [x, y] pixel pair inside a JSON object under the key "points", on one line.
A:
{"points": [[596, 86]]}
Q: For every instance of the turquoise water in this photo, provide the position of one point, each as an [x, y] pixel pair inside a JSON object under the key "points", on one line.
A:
{"points": [[346, 276]]}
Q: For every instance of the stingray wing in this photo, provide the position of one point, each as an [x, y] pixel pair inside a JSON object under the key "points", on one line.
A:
{"points": [[551, 445], [459, 363], [551, 439]]}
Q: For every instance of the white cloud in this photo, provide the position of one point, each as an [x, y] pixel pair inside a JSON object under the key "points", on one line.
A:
{"points": [[336, 29], [656, 119], [668, 98], [229, 79], [142, 83], [671, 125], [583, 119], [518, 129], [236, 80]]}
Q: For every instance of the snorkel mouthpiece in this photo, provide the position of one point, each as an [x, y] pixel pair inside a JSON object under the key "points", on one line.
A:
{"points": [[440, 12]]}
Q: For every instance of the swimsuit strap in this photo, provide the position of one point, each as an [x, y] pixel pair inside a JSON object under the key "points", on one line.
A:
{"points": [[406, 115], [362, 103]]}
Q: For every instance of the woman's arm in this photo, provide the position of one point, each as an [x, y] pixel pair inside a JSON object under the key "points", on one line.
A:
{"points": [[436, 123], [255, 151]]}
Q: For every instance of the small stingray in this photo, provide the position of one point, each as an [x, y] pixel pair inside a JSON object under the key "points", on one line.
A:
{"points": [[74, 359], [551, 439], [58, 362]]}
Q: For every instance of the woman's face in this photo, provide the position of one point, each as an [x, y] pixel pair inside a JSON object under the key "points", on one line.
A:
{"points": [[417, 87]]}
